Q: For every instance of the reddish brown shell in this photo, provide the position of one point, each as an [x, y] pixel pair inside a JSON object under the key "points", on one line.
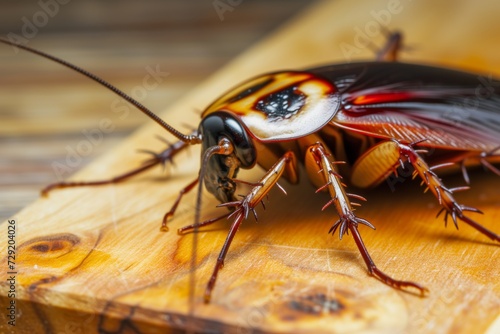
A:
{"points": [[281, 106]]}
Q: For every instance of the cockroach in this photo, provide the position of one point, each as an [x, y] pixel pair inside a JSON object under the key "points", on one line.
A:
{"points": [[355, 122]]}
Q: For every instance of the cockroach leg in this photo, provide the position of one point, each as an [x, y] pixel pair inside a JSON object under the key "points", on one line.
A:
{"points": [[242, 209], [486, 156], [486, 159], [190, 227], [444, 195], [222, 255], [373, 270], [172, 210], [393, 45], [347, 219], [45, 191], [159, 158]]}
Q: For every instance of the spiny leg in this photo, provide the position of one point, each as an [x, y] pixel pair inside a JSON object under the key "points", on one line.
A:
{"points": [[158, 158], [242, 209], [348, 221], [377, 164], [444, 195], [192, 227]]}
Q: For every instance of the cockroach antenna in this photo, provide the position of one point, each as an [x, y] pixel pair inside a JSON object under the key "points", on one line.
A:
{"points": [[191, 139]]}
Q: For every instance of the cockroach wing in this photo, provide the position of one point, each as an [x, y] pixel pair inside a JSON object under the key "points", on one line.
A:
{"points": [[282, 105], [449, 109]]}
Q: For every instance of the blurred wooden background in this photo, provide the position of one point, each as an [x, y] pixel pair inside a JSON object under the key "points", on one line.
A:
{"points": [[42, 108]]}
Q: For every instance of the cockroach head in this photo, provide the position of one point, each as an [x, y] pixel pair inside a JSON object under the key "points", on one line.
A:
{"points": [[220, 165]]}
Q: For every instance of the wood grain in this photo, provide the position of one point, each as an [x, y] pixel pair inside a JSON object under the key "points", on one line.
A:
{"points": [[93, 259], [45, 107]]}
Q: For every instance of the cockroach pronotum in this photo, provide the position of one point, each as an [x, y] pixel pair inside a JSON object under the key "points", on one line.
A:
{"points": [[355, 123]]}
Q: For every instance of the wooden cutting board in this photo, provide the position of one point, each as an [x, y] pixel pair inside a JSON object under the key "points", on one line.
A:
{"points": [[93, 260]]}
